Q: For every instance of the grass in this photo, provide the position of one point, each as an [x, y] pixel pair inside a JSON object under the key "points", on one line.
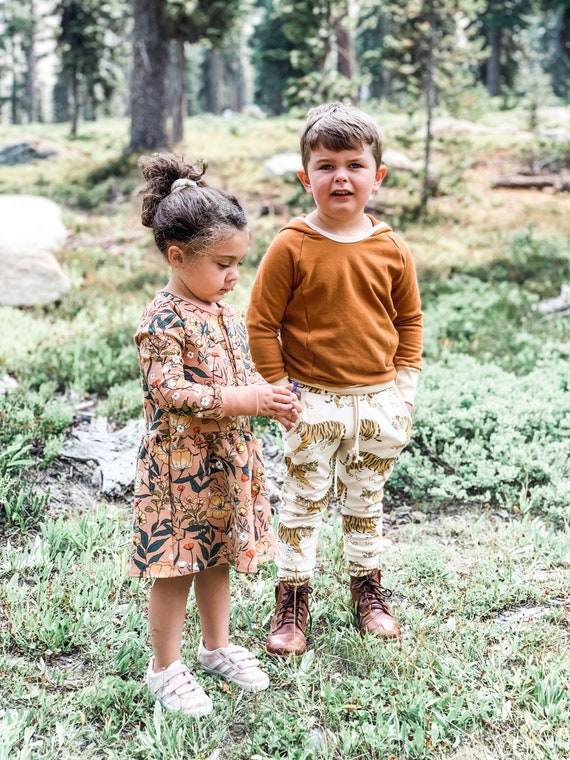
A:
{"points": [[480, 573], [472, 670]]}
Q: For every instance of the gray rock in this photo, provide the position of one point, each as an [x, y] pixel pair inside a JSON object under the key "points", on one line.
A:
{"points": [[394, 159], [8, 384], [559, 303], [27, 152], [283, 165], [32, 233], [113, 452]]}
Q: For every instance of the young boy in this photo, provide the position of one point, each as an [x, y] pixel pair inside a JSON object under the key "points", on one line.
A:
{"points": [[335, 309]]}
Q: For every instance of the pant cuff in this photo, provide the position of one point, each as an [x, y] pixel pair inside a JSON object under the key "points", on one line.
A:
{"points": [[295, 580]]}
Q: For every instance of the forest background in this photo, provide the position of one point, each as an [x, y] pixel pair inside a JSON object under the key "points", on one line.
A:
{"points": [[475, 96]]}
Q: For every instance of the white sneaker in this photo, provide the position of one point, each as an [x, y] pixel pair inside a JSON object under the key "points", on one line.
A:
{"points": [[177, 690], [235, 664]]}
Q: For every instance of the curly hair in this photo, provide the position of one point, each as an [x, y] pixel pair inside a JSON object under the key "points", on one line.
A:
{"points": [[191, 213]]}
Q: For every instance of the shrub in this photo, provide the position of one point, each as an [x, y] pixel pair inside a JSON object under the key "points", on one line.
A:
{"points": [[123, 402], [482, 435], [540, 265], [31, 433]]}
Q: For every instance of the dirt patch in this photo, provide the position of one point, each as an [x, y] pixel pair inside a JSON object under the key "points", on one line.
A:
{"points": [[70, 486]]}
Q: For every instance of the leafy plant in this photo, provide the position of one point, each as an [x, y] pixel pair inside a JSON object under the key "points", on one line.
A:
{"points": [[483, 435], [31, 428], [123, 402]]}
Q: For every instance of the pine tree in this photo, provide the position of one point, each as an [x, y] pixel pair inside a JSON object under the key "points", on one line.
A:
{"points": [[87, 46]]}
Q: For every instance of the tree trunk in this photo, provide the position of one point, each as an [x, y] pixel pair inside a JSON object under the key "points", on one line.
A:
{"points": [[177, 91], [148, 86], [214, 82], [493, 68], [346, 55], [430, 103], [237, 95], [60, 95], [14, 102], [74, 104], [30, 77], [561, 69]]}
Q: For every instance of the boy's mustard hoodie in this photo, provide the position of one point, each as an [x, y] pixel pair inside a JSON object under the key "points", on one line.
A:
{"points": [[335, 312]]}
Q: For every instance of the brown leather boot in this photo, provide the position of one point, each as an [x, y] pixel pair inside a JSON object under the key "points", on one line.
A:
{"points": [[370, 600], [287, 631]]}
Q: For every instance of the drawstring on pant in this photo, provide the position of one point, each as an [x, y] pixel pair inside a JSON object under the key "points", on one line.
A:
{"points": [[353, 456]]}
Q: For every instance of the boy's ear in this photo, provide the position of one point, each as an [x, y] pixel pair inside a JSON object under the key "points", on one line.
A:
{"points": [[175, 256], [380, 174], [304, 178]]}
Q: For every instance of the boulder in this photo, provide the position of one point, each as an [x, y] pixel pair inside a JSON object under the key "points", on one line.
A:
{"points": [[32, 233], [8, 384], [27, 151], [283, 165], [394, 159]]}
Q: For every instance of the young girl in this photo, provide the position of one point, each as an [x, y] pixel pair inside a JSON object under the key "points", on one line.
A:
{"points": [[200, 496]]}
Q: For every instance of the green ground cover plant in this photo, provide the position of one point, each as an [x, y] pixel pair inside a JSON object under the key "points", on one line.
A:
{"points": [[477, 524]]}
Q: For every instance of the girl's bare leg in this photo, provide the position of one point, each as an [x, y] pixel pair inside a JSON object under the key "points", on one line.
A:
{"points": [[212, 591], [166, 615]]}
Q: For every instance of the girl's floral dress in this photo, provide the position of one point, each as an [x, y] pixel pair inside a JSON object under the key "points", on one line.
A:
{"points": [[200, 492]]}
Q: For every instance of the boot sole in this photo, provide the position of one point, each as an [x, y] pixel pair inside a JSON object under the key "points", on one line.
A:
{"points": [[284, 653]]}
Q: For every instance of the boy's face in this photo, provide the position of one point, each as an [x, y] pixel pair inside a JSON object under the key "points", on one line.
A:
{"points": [[341, 182]]}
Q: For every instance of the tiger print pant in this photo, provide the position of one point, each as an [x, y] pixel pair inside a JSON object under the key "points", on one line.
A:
{"points": [[321, 452]]}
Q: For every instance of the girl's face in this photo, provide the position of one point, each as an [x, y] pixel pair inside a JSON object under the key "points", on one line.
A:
{"points": [[341, 182], [209, 276]]}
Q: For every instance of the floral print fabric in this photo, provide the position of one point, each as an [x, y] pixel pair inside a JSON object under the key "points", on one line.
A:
{"points": [[200, 492]]}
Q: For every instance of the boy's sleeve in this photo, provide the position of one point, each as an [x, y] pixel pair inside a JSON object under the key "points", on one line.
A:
{"points": [[270, 295], [407, 383], [409, 317], [253, 376]]}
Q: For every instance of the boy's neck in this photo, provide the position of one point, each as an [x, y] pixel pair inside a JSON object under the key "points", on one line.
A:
{"points": [[342, 227]]}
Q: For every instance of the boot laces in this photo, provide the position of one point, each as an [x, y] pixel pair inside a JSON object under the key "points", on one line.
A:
{"points": [[294, 606], [372, 594]]}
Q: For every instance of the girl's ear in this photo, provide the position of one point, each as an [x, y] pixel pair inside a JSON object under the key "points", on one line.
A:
{"points": [[175, 256], [305, 181]]}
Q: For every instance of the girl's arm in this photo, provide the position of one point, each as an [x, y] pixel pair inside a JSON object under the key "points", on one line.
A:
{"points": [[173, 389], [161, 347]]}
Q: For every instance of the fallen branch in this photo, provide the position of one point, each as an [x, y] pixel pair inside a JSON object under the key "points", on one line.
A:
{"points": [[534, 182]]}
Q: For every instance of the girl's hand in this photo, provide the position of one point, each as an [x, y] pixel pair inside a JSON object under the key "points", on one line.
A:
{"points": [[289, 419], [279, 403], [273, 401]]}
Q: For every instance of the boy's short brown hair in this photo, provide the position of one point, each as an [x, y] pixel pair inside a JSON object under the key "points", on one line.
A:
{"points": [[339, 126]]}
